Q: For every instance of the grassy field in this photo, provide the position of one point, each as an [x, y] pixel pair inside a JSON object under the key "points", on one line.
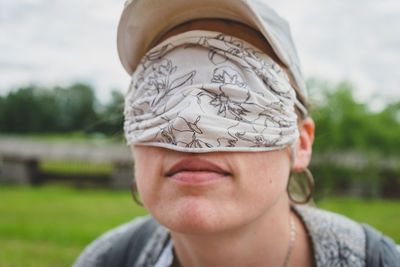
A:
{"points": [[381, 214], [49, 226], [77, 167]]}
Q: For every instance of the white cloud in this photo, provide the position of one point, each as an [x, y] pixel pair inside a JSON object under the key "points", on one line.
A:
{"points": [[55, 41], [356, 40]]}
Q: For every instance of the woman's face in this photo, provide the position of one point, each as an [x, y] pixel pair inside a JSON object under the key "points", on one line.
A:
{"points": [[210, 192]]}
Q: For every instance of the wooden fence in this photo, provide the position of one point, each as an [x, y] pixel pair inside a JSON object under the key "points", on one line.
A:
{"points": [[21, 158]]}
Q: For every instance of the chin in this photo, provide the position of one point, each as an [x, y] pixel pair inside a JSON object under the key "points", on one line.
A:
{"points": [[193, 215]]}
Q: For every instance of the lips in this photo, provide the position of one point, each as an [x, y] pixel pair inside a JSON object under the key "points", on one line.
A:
{"points": [[196, 171]]}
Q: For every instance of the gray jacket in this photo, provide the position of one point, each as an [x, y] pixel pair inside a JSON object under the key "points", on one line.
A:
{"points": [[336, 241]]}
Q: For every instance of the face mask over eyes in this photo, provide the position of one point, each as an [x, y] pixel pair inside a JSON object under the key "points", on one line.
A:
{"points": [[203, 91]]}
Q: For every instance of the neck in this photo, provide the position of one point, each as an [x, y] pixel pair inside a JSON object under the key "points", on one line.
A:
{"points": [[263, 242]]}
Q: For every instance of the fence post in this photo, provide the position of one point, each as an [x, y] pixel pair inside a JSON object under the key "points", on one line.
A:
{"points": [[19, 171], [122, 175]]}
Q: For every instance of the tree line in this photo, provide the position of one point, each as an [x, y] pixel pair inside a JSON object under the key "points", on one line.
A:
{"points": [[346, 127], [343, 126], [35, 109], [342, 123]]}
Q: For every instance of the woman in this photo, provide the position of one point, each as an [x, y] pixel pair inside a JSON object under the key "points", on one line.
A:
{"points": [[217, 121]]}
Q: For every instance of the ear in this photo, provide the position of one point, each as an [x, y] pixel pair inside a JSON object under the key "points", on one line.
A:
{"points": [[304, 144]]}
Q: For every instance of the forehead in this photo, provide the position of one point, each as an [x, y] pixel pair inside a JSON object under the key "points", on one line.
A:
{"points": [[228, 27]]}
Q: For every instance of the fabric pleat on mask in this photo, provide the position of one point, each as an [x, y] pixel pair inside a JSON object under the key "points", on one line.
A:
{"points": [[203, 91]]}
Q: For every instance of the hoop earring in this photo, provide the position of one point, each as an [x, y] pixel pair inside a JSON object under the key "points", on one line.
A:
{"points": [[300, 187], [134, 193]]}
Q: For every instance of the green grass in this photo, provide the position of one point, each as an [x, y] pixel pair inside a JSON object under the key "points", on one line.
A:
{"points": [[70, 167], [381, 214], [19, 252], [49, 226]]}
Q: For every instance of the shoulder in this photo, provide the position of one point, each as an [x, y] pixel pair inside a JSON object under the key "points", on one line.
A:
{"points": [[336, 239], [340, 241], [116, 242], [380, 249]]}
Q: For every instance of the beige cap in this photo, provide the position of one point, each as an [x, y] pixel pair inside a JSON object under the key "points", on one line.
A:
{"points": [[145, 21]]}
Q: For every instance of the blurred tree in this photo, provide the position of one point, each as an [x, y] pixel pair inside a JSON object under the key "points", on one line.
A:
{"points": [[344, 124], [76, 108], [20, 111], [343, 127], [384, 129], [112, 115], [34, 109], [2, 103], [346, 127]]}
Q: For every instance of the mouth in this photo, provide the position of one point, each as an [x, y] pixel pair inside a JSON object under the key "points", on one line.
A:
{"points": [[196, 171]]}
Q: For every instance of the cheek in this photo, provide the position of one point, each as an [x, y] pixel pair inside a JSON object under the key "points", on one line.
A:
{"points": [[264, 179], [257, 184], [147, 173]]}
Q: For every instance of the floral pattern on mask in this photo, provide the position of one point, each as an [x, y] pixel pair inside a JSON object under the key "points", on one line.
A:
{"points": [[204, 91]]}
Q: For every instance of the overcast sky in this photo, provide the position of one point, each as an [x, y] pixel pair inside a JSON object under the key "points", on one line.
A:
{"points": [[62, 41]]}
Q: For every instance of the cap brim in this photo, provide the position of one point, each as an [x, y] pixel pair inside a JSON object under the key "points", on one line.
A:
{"points": [[144, 21]]}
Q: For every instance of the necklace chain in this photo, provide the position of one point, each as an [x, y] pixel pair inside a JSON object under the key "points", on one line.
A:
{"points": [[292, 239], [290, 249]]}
